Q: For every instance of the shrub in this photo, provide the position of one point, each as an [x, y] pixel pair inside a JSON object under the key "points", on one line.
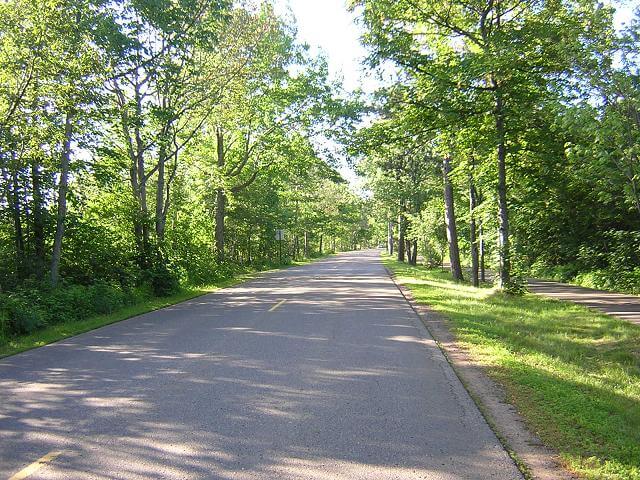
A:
{"points": [[623, 250], [517, 285], [611, 279], [203, 270], [19, 315], [106, 298], [35, 305], [68, 303], [561, 273], [164, 282]]}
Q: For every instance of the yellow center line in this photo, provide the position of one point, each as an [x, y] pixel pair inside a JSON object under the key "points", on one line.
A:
{"points": [[277, 305], [35, 466]]}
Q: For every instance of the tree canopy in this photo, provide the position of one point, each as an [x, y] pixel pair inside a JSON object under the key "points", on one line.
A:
{"points": [[529, 110], [149, 144]]}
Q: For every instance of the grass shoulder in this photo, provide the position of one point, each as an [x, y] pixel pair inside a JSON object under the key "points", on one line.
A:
{"points": [[573, 374], [69, 328]]}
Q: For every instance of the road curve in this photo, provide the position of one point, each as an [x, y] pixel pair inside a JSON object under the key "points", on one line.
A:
{"points": [[339, 381]]}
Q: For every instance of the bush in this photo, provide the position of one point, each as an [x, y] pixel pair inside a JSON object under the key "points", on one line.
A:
{"points": [[611, 279], [203, 270], [19, 316], [164, 282], [623, 252], [516, 286], [107, 298], [560, 273], [518, 283], [68, 303], [28, 309]]}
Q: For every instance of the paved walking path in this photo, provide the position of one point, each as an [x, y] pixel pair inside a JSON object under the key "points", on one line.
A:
{"points": [[316, 372], [619, 305]]}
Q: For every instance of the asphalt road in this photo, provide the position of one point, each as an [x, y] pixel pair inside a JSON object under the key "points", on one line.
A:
{"points": [[626, 307], [341, 381]]}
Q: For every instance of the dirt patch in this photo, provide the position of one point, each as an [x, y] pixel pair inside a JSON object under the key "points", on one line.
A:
{"points": [[536, 460]]}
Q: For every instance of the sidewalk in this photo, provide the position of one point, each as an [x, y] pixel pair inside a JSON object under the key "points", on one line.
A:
{"points": [[626, 307]]}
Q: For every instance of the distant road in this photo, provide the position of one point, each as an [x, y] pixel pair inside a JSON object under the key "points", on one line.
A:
{"points": [[315, 372], [626, 307]]}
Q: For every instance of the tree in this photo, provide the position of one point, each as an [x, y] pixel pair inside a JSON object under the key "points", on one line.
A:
{"points": [[273, 98], [484, 59], [126, 131], [163, 89]]}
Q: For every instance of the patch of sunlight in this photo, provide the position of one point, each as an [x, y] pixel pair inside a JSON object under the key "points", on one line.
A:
{"points": [[469, 290], [573, 373]]}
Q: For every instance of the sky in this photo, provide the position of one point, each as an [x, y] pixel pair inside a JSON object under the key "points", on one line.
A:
{"points": [[328, 26], [624, 11]]}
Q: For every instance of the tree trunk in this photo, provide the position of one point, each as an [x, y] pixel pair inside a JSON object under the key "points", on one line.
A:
{"points": [[414, 258], [16, 212], [411, 251], [160, 214], [450, 221], [137, 175], [504, 253], [144, 218], [482, 249], [221, 200], [401, 245], [306, 244], [142, 186], [427, 251], [390, 237], [38, 220], [333, 244], [163, 190], [472, 233], [143, 211], [63, 188], [137, 233], [321, 238]]}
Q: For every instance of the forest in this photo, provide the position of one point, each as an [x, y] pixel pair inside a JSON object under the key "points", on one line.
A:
{"points": [[509, 143], [152, 151], [148, 145]]}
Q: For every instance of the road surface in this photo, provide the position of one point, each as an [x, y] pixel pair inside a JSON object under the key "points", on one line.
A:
{"points": [[626, 307], [315, 372]]}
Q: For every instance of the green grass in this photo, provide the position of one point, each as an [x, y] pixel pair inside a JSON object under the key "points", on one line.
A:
{"points": [[59, 331], [572, 373]]}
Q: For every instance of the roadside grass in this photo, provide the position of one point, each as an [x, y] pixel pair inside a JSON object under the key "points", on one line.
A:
{"points": [[573, 374], [60, 331]]}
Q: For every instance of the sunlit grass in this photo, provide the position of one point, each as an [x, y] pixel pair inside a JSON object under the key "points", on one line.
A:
{"points": [[572, 373]]}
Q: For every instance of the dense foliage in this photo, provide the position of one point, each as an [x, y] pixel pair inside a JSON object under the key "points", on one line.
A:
{"points": [[511, 137], [148, 144]]}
